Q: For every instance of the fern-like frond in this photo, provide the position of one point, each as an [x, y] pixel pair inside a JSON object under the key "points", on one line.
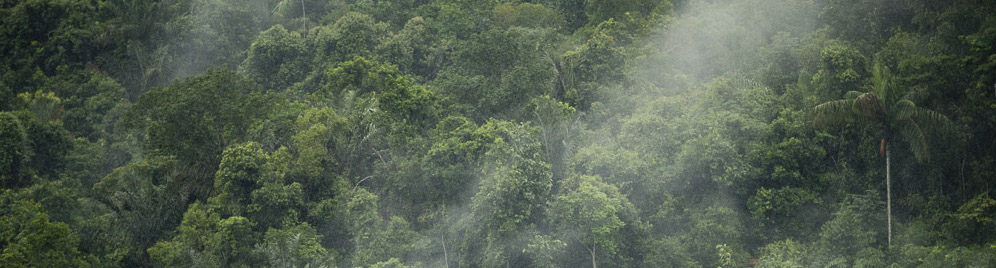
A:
{"points": [[832, 113], [743, 82]]}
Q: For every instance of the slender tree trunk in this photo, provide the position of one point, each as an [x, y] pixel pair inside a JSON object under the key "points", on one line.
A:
{"points": [[593, 264], [888, 195], [446, 257], [304, 27]]}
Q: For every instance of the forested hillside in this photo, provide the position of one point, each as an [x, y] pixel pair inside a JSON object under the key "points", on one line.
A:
{"points": [[492, 133]]}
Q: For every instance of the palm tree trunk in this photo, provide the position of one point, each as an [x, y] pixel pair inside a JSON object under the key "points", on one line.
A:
{"points": [[593, 264], [446, 257], [888, 195], [304, 27]]}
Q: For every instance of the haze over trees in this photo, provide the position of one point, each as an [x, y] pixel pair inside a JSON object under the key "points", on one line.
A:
{"points": [[457, 133]]}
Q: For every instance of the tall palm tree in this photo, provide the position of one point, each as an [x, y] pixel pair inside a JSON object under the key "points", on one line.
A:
{"points": [[897, 115]]}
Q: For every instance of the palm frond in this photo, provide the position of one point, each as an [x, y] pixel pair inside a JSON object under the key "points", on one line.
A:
{"points": [[566, 71], [931, 118], [832, 113], [903, 109], [881, 78], [914, 134], [869, 105], [916, 94], [852, 94]]}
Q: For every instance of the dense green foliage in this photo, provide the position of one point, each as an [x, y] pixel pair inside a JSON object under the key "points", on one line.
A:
{"points": [[532, 133]]}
